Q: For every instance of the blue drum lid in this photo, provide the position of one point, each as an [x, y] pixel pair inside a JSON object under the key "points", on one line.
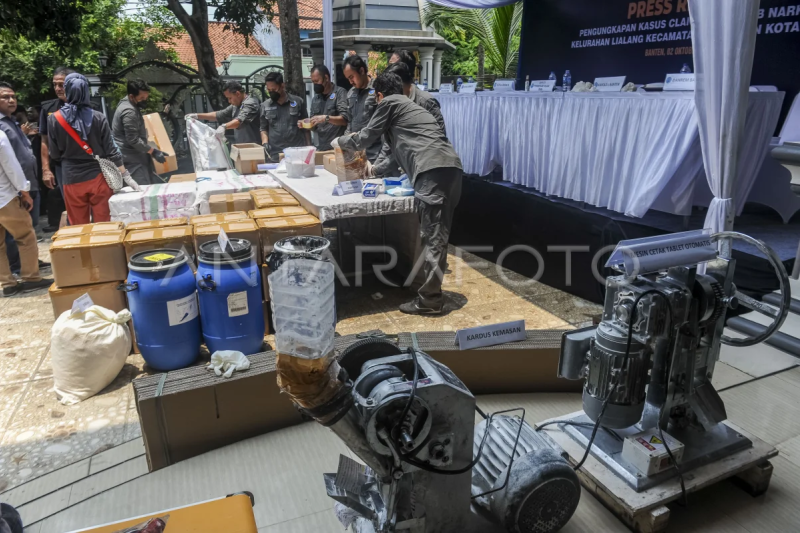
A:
{"points": [[155, 260], [237, 250]]}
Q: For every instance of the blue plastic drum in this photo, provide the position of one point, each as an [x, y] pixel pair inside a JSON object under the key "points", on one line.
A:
{"points": [[231, 301], [162, 297]]}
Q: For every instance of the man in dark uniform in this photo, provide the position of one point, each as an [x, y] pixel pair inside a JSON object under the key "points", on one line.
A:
{"points": [[432, 165], [51, 170], [241, 115], [130, 135], [361, 99], [279, 117], [330, 111]]}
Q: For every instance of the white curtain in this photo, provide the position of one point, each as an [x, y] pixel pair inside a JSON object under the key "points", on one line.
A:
{"points": [[723, 39]]}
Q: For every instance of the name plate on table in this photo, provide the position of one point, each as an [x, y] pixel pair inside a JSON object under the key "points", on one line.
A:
{"points": [[446, 88], [468, 88], [505, 85], [679, 82], [609, 85], [543, 86], [481, 336]]}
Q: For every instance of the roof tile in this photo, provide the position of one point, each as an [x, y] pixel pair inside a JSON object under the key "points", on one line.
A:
{"points": [[225, 43]]}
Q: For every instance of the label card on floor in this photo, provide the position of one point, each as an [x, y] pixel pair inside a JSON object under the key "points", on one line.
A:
{"points": [[468, 88], [81, 304], [481, 336], [542, 86], [609, 85]]}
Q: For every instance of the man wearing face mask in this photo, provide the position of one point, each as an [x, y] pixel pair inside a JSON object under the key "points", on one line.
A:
{"points": [[279, 117], [361, 98], [130, 135], [241, 115], [427, 157], [329, 109]]}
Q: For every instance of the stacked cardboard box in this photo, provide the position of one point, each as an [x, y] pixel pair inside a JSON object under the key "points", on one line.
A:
{"points": [[88, 229], [199, 220], [155, 202], [89, 259], [103, 294], [246, 157], [241, 229], [176, 237], [278, 212], [227, 203], [272, 230], [228, 182], [272, 198], [160, 223]]}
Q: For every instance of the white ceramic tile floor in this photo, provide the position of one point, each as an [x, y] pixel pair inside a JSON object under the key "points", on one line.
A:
{"points": [[725, 376], [759, 360]]}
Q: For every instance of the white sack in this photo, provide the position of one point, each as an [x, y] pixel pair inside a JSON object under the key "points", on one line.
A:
{"points": [[208, 149], [88, 350]]}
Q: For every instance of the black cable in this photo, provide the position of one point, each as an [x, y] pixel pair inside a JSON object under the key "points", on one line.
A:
{"points": [[580, 425], [483, 415]]}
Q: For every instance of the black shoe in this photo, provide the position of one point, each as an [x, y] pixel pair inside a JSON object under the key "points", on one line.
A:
{"points": [[50, 229], [39, 239], [30, 286], [12, 290], [415, 308], [43, 265]]}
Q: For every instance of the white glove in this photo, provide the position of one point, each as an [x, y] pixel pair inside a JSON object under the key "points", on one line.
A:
{"points": [[129, 181], [191, 115], [221, 130], [228, 361], [369, 170]]}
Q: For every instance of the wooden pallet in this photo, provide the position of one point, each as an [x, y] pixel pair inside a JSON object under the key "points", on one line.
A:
{"points": [[647, 511]]}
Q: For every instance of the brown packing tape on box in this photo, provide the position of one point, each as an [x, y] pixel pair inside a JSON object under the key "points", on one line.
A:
{"points": [[516, 367], [88, 229], [227, 203], [157, 137], [241, 229], [272, 230], [102, 294], [278, 212], [216, 218], [261, 201], [188, 412], [177, 237], [88, 259], [160, 223]]}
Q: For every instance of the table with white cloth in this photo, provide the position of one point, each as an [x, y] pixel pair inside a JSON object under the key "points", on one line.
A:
{"points": [[628, 152], [384, 220]]}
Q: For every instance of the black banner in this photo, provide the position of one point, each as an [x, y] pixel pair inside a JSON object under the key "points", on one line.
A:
{"points": [[645, 40]]}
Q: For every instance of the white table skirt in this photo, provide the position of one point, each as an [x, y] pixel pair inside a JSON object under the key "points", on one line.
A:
{"points": [[628, 152], [316, 196]]}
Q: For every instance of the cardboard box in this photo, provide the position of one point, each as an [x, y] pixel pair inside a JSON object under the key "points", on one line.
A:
{"points": [[242, 229], [228, 203], [199, 220], [102, 294], [265, 281], [159, 223], [177, 237], [516, 367], [87, 259], [88, 229], [319, 157], [246, 157], [261, 201], [278, 212], [329, 162], [176, 178], [272, 230], [157, 137]]}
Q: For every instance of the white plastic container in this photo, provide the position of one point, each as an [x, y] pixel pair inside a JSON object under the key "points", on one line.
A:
{"points": [[300, 162]]}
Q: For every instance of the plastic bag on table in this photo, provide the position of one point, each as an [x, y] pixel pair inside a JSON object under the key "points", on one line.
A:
{"points": [[208, 148], [300, 162], [153, 525], [349, 165]]}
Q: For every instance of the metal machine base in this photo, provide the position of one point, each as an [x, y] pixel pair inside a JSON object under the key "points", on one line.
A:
{"points": [[702, 448]]}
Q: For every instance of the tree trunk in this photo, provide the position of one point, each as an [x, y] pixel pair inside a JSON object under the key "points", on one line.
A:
{"points": [[481, 60], [292, 54], [196, 25]]}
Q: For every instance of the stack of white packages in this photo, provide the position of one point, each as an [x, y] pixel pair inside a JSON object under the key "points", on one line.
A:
{"points": [[152, 202], [226, 182]]}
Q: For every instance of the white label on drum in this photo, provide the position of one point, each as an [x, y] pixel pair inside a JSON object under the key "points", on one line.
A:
{"points": [[237, 304], [183, 310]]}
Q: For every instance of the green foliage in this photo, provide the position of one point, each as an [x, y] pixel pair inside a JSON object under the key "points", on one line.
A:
{"points": [[496, 29], [115, 92], [28, 63], [38, 20], [463, 60]]}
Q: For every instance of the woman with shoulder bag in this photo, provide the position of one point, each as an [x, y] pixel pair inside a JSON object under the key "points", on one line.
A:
{"points": [[80, 138]]}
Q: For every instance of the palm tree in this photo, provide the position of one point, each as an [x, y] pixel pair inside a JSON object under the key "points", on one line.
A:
{"points": [[496, 30]]}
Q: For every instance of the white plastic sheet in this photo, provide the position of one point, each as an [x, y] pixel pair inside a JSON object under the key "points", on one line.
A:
{"points": [[208, 148], [153, 202]]}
